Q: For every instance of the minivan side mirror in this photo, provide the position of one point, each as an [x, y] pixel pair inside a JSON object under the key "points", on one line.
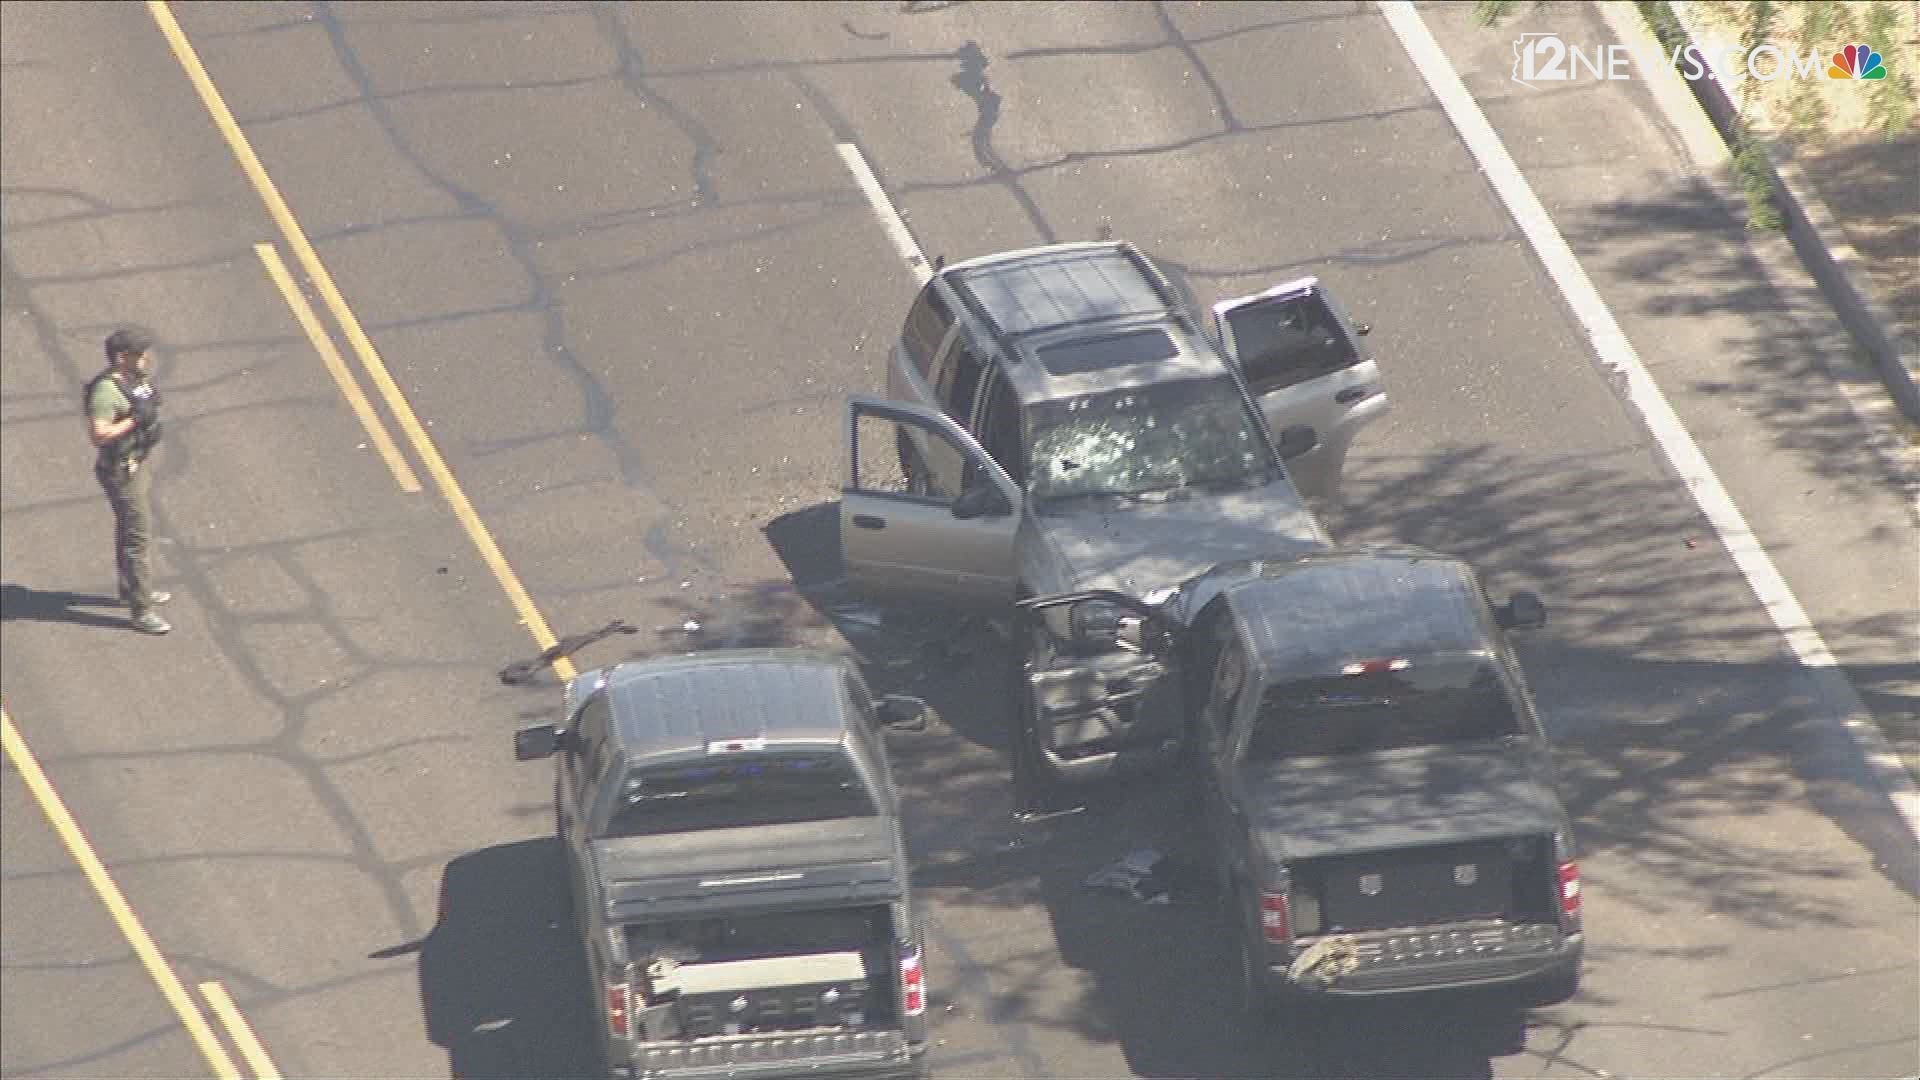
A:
{"points": [[534, 743], [1522, 611], [982, 501], [902, 712]]}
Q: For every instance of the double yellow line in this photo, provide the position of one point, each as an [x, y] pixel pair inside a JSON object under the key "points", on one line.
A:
{"points": [[362, 347], [217, 999], [143, 947]]}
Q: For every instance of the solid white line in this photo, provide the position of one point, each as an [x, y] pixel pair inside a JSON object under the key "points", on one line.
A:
{"points": [[1617, 354], [903, 241]]}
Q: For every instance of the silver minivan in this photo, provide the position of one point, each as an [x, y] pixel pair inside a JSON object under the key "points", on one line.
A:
{"points": [[1057, 419]]}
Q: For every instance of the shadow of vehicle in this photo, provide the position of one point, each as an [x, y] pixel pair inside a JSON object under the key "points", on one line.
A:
{"points": [[502, 976], [898, 641], [37, 605]]}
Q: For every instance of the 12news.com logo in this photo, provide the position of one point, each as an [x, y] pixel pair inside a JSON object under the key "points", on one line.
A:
{"points": [[1547, 57]]}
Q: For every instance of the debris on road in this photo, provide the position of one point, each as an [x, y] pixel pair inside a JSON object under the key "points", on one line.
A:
{"points": [[523, 671], [1138, 875]]}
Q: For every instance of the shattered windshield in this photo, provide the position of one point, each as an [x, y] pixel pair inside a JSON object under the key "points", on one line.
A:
{"points": [[1160, 437], [1432, 703]]}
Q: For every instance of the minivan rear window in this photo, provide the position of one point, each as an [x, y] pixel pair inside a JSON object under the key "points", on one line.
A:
{"points": [[740, 790]]}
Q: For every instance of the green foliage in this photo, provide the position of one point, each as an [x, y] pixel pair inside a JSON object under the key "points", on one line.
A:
{"points": [[1759, 25], [1823, 20], [1881, 23], [1806, 112], [1755, 175], [1489, 12], [1757, 31], [1890, 103], [1663, 22]]}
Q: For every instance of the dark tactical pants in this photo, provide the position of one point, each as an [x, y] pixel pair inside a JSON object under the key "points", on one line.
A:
{"points": [[130, 491]]}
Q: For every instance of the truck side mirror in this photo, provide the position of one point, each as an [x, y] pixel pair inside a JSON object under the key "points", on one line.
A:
{"points": [[1522, 611], [982, 501], [534, 743], [902, 712]]}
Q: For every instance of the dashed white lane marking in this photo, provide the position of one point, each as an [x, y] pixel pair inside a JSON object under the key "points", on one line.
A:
{"points": [[1834, 690], [890, 220]]}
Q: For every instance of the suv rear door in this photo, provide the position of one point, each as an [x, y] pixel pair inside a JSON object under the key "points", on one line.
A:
{"points": [[897, 539], [1306, 366]]}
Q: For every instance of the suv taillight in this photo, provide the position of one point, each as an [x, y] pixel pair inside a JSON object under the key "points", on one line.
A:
{"points": [[619, 1010], [1569, 892], [913, 982], [1273, 918]]}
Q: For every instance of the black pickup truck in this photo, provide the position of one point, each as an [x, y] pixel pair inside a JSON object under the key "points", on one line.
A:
{"points": [[1379, 799], [738, 872]]}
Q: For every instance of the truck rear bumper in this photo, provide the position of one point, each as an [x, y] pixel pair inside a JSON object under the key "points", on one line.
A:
{"points": [[906, 1065], [1415, 960]]}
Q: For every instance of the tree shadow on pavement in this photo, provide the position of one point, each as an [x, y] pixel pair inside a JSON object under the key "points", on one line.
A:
{"points": [[1868, 184], [1775, 360]]}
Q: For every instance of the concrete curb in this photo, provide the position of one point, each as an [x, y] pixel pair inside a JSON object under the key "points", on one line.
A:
{"points": [[1821, 244]]}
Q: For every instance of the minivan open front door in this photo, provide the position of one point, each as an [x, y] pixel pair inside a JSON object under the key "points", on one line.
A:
{"points": [[899, 542], [1315, 381]]}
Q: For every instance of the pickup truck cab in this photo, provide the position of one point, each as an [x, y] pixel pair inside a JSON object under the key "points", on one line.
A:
{"points": [[739, 878], [1059, 420], [1379, 797]]}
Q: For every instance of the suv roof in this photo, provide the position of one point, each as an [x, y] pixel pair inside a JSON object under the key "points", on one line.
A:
{"points": [[792, 696], [1310, 616], [1037, 289], [1039, 302]]}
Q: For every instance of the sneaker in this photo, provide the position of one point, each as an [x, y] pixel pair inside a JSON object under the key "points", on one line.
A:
{"points": [[149, 623], [157, 596]]}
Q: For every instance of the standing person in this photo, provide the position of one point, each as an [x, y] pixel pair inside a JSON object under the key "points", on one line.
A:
{"points": [[123, 421]]}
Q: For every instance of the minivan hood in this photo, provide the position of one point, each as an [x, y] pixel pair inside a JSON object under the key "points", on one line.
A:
{"points": [[1395, 800], [1141, 547]]}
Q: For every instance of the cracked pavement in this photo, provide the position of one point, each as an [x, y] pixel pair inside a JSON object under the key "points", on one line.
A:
{"points": [[613, 258]]}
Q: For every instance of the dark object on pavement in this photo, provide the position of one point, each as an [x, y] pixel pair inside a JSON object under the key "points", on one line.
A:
{"points": [[523, 671]]}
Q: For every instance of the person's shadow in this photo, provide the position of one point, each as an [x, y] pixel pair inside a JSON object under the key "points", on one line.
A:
{"points": [[20, 602]]}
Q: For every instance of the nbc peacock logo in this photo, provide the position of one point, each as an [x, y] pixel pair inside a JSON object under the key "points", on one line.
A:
{"points": [[1856, 62]]}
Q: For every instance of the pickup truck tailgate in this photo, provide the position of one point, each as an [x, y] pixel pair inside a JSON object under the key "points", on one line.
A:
{"points": [[749, 1054]]}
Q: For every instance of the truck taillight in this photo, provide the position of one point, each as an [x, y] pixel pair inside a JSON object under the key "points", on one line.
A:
{"points": [[913, 982], [1273, 918], [1569, 891], [619, 1009]]}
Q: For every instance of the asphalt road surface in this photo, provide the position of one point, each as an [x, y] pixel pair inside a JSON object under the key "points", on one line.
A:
{"points": [[616, 263]]}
